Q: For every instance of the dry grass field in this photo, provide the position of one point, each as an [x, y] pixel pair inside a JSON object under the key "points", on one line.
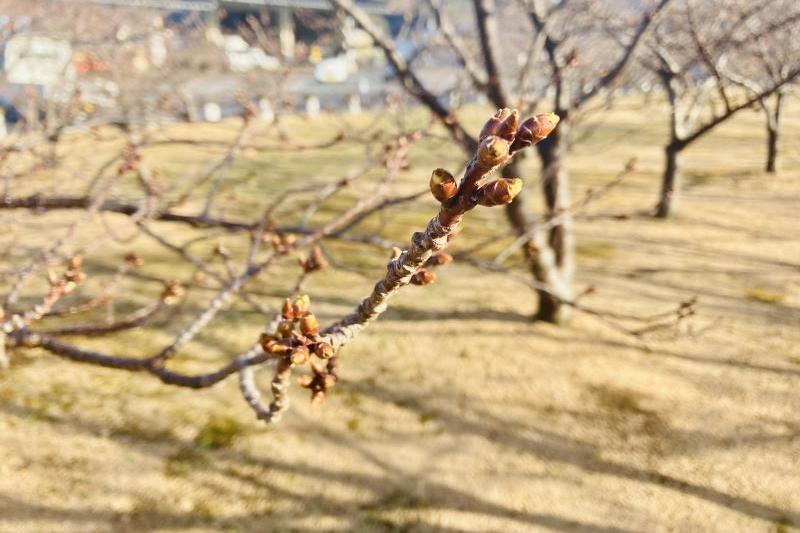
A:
{"points": [[455, 413]]}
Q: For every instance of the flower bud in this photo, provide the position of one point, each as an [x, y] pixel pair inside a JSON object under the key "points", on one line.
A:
{"points": [[316, 261], [275, 347], [309, 325], [323, 350], [499, 192], [443, 185], [423, 277], [284, 329], [508, 127], [317, 397], [300, 355], [287, 312], [300, 306], [534, 130], [492, 151], [172, 292], [438, 259], [134, 259], [498, 122]]}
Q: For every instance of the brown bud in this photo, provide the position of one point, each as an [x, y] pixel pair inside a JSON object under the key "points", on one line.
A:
{"points": [[438, 259], [284, 329], [300, 306], [134, 259], [318, 397], [329, 380], [494, 123], [492, 151], [499, 192], [275, 347], [309, 325], [316, 261], [443, 185], [173, 290], [323, 350], [287, 312], [305, 381], [266, 340], [300, 355], [75, 262], [534, 130], [508, 127], [423, 277]]}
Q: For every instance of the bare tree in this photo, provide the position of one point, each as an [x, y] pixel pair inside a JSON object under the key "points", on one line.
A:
{"points": [[293, 338], [564, 36], [700, 55]]}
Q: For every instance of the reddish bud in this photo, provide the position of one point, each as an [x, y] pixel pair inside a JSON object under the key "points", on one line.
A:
{"points": [[423, 277], [534, 130], [500, 123], [499, 192], [508, 127], [438, 259], [287, 312], [134, 259], [443, 185]]}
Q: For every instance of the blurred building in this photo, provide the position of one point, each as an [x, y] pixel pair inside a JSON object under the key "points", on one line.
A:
{"points": [[284, 12]]}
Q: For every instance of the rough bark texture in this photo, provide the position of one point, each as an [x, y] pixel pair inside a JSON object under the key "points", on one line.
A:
{"points": [[669, 182]]}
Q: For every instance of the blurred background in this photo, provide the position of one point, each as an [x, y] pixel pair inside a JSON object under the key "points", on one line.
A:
{"points": [[615, 350]]}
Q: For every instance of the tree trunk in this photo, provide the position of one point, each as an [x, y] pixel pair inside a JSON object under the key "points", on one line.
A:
{"points": [[772, 149], [540, 257], [555, 186], [773, 124], [550, 253], [669, 183]]}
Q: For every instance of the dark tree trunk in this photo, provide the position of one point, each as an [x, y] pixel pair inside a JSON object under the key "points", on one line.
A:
{"points": [[772, 149], [670, 182], [773, 125]]}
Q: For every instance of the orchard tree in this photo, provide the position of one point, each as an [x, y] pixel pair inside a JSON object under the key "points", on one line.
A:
{"points": [[711, 58], [577, 51]]}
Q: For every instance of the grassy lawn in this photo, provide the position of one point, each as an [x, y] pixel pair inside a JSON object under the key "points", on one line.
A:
{"points": [[454, 413]]}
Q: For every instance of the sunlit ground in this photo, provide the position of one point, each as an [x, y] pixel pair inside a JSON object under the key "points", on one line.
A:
{"points": [[454, 413]]}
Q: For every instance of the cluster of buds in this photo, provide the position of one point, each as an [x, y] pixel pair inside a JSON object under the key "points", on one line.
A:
{"points": [[173, 291], [130, 160], [314, 262], [500, 138], [296, 342], [282, 243], [425, 275], [69, 280]]}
